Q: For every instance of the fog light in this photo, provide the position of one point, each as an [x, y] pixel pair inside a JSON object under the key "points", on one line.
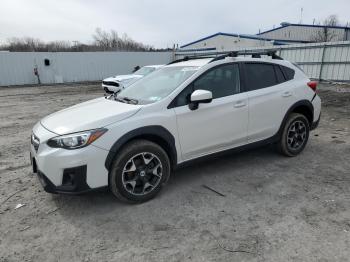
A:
{"points": [[68, 179]]}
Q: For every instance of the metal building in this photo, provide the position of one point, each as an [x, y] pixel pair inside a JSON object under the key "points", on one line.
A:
{"points": [[285, 34], [322, 61], [306, 33], [225, 41]]}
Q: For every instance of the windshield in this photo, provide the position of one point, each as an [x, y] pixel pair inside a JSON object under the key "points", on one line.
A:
{"points": [[159, 84], [144, 71]]}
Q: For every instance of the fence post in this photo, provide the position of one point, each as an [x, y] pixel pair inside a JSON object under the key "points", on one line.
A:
{"points": [[174, 53], [322, 61]]}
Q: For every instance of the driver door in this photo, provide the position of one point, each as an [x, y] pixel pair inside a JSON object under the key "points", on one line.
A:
{"points": [[218, 125]]}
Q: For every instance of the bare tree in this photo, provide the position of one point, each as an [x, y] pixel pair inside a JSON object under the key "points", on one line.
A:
{"points": [[110, 41], [59, 46], [102, 41], [28, 44], [327, 33]]}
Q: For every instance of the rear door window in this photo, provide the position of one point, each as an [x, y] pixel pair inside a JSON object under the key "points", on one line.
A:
{"points": [[288, 72], [279, 74], [259, 75]]}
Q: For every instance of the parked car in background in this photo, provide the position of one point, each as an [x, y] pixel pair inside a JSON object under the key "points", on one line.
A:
{"points": [[117, 83]]}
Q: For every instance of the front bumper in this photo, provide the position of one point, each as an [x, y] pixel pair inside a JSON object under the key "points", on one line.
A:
{"points": [[68, 171], [77, 184]]}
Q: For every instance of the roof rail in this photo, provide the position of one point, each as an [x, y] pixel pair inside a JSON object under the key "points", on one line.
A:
{"points": [[223, 55], [254, 54]]}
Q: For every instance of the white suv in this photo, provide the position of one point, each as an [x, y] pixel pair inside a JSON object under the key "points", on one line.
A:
{"points": [[188, 109]]}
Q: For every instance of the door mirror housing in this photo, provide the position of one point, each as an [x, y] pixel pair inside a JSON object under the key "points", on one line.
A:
{"points": [[200, 96]]}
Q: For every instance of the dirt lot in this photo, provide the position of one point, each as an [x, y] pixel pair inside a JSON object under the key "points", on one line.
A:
{"points": [[274, 208]]}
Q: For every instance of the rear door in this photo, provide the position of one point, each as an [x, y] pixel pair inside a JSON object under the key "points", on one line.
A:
{"points": [[270, 96]]}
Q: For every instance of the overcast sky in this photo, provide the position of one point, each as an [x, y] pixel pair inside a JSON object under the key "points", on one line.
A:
{"points": [[156, 22]]}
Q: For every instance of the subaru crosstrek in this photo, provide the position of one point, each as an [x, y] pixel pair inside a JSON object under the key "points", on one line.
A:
{"points": [[131, 141]]}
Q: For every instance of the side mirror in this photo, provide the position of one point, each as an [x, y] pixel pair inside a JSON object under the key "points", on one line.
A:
{"points": [[200, 96]]}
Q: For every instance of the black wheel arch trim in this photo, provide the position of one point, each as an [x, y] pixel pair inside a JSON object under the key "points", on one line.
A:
{"points": [[142, 133], [313, 98], [306, 103]]}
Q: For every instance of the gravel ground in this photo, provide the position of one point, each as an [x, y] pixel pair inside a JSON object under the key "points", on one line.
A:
{"points": [[273, 209]]}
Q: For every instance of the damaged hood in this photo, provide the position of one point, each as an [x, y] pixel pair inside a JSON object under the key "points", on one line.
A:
{"points": [[125, 80], [92, 114], [122, 78]]}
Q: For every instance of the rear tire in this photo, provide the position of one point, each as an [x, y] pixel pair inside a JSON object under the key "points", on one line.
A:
{"points": [[295, 135], [139, 171]]}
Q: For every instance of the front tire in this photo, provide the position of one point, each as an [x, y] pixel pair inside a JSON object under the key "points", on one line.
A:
{"points": [[139, 171], [295, 135]]}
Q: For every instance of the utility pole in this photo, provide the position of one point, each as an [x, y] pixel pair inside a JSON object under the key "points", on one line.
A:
{"points": [[75, 45]]}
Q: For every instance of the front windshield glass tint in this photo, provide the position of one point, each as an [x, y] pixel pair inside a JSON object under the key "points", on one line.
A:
{"points": [[159, 84], [144, 71]]}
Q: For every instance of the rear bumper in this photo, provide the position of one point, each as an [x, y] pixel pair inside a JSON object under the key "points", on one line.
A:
{"points": [[316, 103], [315, 124]]}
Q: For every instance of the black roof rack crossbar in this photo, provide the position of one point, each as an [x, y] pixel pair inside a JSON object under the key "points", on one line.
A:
{"points": [[258, 54], [187, 58], [230, 54]]}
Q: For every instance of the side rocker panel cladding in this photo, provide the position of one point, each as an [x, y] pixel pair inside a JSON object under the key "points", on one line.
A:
{"points": [[152, 131]]}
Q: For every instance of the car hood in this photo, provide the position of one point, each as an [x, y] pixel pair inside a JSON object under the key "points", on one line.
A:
{"points": [[92, 114]]}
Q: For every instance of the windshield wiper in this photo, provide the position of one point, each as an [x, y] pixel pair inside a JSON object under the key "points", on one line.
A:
{"points": [[116, 98], [119, 99], [129, 100], [124, 99]]}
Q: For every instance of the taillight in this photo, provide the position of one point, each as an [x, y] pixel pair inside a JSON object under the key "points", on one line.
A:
{"points": [[312, 85]]}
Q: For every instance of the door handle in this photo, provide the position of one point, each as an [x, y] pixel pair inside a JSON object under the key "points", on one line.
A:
{"points": [[287, 94], [239, 104]]}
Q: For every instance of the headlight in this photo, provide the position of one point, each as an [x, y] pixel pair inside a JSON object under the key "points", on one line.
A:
{"points": [[76, 140]]}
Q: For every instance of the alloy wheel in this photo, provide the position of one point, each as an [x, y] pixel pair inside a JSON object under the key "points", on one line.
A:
{"points": [[296, 135], [142, 173]]}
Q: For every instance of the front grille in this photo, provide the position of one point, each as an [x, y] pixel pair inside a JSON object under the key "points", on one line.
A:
{"points": [[35, 141], [108, 83]]}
